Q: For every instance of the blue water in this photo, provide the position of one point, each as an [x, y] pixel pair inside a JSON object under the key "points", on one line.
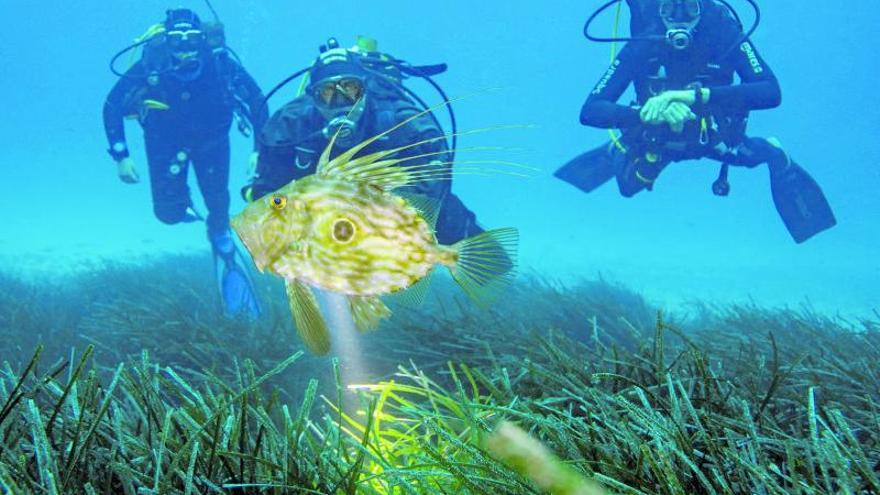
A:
{"points": [[62, 203]]}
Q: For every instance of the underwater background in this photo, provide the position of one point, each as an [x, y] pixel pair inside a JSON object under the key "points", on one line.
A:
{"points": [[62, 202], [674, 342]]}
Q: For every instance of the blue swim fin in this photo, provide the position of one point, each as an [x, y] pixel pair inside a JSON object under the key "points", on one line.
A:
{"points": [[237, 293]]}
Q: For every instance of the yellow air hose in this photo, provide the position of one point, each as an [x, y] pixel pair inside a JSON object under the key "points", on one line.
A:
{"points": [[152, 31]]}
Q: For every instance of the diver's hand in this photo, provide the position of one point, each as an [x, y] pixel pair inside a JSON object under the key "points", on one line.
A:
{"points": [[652, 110], [126, 171], [252, 163], [677, 114]]}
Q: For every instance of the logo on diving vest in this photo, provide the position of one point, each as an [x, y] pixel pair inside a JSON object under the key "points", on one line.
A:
{"points": [[607, 77], [746, 47]]}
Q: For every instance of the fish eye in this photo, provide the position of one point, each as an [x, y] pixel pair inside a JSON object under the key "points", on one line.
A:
{"points": [[343, 230], [278, 202]]}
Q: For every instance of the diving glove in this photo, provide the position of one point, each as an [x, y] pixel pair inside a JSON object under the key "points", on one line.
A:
{"points": [[126, 171]]}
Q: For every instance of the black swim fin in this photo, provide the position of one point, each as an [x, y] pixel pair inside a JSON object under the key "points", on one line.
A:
{"points": [[800, 202], [590, 170]]}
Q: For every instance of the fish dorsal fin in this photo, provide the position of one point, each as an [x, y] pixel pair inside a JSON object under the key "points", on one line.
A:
{"points": [[367, 312], [414, 295], [310, 324], [427, 206], [383, 170], [326, 166]]}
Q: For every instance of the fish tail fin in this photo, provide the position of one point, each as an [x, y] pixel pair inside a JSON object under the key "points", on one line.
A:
{"points": [[310, 324], [367, 312], [485, 263]]}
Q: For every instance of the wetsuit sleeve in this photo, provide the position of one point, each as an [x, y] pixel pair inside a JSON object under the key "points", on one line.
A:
{"points": [[758, 88], [601, 108], [276, 143], [116, 103], [249, 94]]}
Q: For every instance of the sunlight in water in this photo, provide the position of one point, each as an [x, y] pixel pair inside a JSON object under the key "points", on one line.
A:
{"points": [[345, 342]]}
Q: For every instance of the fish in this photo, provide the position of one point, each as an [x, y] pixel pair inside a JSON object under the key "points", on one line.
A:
{"points": [[352, 228]]}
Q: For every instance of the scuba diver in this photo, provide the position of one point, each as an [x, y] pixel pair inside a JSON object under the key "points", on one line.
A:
{"points": [[356, 94], [185, 91], [681, 58]]}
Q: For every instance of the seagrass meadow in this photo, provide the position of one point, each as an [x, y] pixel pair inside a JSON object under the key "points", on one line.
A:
{"points": [[125, 379]]}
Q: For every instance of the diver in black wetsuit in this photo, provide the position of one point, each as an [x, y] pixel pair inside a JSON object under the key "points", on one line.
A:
{"points": [[185, 91], [360, 99], [682, 63]]}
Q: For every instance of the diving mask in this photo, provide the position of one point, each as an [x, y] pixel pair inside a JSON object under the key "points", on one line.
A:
{"points": [[680, 18], [185, 43], [339, 93]]}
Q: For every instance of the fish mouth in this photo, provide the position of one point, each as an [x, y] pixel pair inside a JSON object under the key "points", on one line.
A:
{"points": [[249, 236]]}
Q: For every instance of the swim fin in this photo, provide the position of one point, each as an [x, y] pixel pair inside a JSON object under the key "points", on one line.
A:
{"points": [[237, 293], [800, 202], [235, 286], [590, 170]]}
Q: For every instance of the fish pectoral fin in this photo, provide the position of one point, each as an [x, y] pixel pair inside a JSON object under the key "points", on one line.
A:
{"points": [[429, 207], [367, 312], [310, 324], [485, 263], [414, 295]]}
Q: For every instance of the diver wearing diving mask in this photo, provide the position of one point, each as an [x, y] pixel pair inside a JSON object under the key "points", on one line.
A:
{"points": [[341, 101], [697, 77], [186, 91], [348, 102], [185, 42], [680, 18]]}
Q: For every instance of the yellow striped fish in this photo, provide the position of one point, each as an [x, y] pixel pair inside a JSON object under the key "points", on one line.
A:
{"points": [[344, 230]]}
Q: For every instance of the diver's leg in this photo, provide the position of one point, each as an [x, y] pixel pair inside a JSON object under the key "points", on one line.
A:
{"points": [[799, 200], [211, 163], [167, 180]]}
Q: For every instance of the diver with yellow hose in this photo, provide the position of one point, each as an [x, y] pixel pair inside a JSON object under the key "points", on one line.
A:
{"points": [[185, 92], [681, 59]]}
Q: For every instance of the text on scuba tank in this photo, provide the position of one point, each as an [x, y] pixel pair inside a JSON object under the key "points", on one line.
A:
{"points": [[746, 47], [607, 77]]}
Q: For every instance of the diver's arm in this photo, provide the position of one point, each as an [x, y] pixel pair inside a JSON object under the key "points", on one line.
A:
{"points": [[758, 88], [273, 172], [275, 166], [115, 109], [601, 108], [249, 93], [276, 147]]}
